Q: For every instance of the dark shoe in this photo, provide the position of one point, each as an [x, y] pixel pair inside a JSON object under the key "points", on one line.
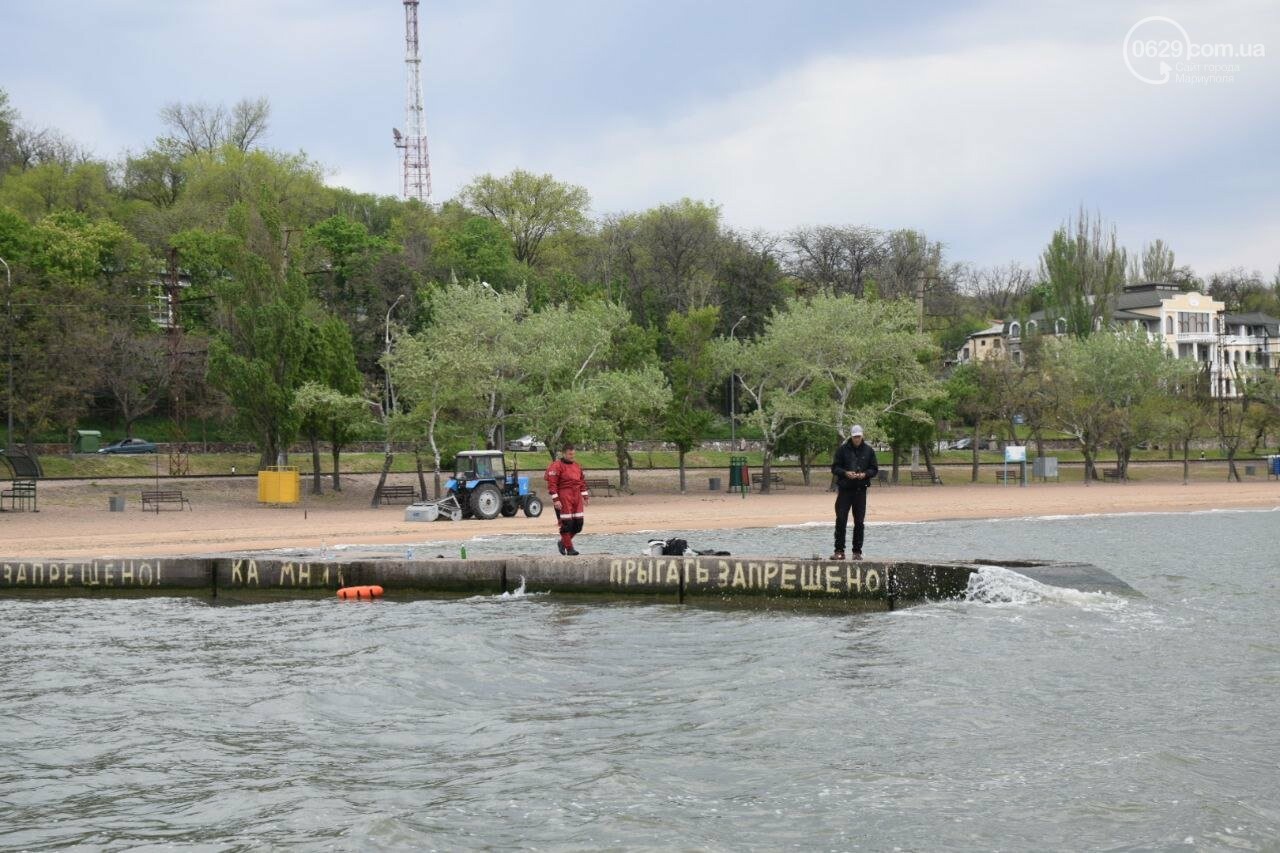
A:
{"points": [[571, 553], [560, 545], [838, 555], [857, 555]]}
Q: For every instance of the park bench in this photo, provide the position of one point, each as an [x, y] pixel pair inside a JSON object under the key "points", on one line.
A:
{"points": [[600, 486], [925, 478], [775, 481], [1112, 474], [154, 500], [1008, 476], [397, 494], [22, 495]]}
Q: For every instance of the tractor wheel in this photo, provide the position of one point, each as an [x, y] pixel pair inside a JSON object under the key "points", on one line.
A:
{"points": [[532, 507], [509, 508], [485, 501]]}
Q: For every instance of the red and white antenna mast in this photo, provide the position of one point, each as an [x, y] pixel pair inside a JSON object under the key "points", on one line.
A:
{"points": [[417, 164]]}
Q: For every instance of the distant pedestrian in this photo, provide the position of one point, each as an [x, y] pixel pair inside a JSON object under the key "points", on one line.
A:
{"points": [[568, 490], [854, 467]]}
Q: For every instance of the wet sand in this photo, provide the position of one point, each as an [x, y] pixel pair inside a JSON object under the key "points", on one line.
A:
{"points": [[74, 521]]}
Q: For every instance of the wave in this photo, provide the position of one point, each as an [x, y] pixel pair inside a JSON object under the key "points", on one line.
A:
{"points": [[1000, 586]]}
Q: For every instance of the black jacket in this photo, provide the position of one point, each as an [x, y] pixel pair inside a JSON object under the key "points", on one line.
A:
{"points": [[850, 458]]}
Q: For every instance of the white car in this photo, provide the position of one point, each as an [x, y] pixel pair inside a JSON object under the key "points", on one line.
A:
{"points": [[525, 442]]}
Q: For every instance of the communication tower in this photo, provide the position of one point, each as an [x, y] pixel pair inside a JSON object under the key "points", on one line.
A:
{"points": [[417, 164]]}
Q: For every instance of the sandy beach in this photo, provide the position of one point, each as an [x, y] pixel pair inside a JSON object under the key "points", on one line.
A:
{"points": [[74, 521]]}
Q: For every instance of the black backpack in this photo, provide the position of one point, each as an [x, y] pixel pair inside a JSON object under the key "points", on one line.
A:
{"points": [[674, 548]]}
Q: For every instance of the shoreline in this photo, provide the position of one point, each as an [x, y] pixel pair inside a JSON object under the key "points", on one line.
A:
{"points": [[74, 521]]}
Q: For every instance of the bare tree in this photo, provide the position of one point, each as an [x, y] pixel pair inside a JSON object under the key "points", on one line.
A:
{"points": [[836, 259], [997, 289], [1235, 286], [198, 126]]}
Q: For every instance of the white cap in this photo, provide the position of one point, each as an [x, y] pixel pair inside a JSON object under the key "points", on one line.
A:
{"points": [[857, 430]]}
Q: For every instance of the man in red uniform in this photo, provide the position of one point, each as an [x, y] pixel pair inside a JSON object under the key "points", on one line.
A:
{"points": [[568, 490]]}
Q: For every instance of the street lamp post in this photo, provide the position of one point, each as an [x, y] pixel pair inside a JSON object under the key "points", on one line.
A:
{"points": [[733, 381], [8, 304], [390, 402]]}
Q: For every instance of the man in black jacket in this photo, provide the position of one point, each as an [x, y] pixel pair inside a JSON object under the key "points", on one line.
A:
{"points": [[854, 467]]}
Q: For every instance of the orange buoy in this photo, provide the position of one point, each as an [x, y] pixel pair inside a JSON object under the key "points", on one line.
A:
{"points": [[353, 593]]}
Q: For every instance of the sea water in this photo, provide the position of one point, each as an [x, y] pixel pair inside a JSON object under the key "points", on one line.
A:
{"points": [[1024, 718]]}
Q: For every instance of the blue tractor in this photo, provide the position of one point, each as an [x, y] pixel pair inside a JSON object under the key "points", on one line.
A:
{"points": [[483, 488]]}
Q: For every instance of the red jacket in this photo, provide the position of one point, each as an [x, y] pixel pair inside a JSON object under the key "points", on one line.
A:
{"points": [[566, 482]]}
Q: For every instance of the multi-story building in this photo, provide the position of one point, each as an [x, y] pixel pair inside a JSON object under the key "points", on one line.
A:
{"points": [[1189, 324]]}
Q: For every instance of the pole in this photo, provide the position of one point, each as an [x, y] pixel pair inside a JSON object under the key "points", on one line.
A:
{"points": [[8, 304], [390, 401], [733, 381]]}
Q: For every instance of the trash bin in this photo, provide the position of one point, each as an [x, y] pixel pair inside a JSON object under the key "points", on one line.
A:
{"points": [[713, 484], [87, 440], [279, 485], [115, 503], [738, 476]]}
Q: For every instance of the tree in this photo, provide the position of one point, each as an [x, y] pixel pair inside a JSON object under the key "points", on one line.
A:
{"points": [[1185, 414], [530, 207], [998, 290], [865, 354], [1084, 268], [136, 369], [1156, 263], [326, 413], [627, 402], [200, 128], [692, 371], [836, 259], [1104, 384]]}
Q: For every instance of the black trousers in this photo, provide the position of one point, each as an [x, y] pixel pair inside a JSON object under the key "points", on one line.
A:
{"points": [[856, 500]]}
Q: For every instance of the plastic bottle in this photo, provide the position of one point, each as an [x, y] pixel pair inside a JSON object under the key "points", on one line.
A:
{"points": [[408, 553], [464, 552]]}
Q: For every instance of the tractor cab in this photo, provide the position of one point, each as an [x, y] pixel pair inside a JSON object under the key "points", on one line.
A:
{"points": [[472, 465]]}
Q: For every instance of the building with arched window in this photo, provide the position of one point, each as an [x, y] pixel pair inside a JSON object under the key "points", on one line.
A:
{"points": [[1189, 324]]}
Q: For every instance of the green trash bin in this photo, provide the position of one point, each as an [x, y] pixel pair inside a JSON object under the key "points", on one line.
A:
{"points": [[88, 440], [738, 475]]}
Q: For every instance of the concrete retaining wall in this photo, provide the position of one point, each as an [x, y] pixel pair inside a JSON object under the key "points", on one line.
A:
{"points": [[861, 585]]}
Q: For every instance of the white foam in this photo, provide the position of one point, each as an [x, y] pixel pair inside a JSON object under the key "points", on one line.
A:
{"points": [[518, 592], [1000, 586]]}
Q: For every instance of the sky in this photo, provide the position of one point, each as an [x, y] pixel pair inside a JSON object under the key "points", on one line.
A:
{"points": [[986, 125]]}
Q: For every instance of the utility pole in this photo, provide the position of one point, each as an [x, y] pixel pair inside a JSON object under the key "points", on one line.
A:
{"points": [[417, 163]]}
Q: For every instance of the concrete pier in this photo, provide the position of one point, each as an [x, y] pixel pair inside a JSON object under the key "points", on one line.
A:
{"points": [[736, 580]]}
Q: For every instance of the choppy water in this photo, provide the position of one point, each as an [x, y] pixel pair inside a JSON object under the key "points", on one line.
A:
{"points": [[1031, 719]]}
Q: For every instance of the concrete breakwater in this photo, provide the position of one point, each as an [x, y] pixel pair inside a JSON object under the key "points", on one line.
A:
{"points": [[870, 585]]}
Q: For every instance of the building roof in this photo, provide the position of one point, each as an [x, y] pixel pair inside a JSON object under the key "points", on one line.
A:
{"points": [[1254, 319]]}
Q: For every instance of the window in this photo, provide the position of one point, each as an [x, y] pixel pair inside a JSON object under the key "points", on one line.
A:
{"points": [[1168, 325], [1060, 327], [1032, 327], [1193, 322], [1015, 331]]}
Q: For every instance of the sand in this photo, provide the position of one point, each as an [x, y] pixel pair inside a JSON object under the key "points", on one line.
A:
{"points": [[74, 521]]}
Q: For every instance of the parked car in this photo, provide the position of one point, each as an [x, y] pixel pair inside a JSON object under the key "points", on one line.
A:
{"points": [[962, 444], [129, 445], [525, 442]]}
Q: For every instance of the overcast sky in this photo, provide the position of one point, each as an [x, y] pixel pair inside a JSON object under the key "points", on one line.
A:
{"points": [[983, 124]]}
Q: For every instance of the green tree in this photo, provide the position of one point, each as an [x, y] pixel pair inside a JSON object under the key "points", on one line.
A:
{"points": [[529, 207], [692, 371], [628, 402], [1084, 268]]}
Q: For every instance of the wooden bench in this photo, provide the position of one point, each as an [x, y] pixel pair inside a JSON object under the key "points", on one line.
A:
{"points": [[397, 494], [22, 495], [1112, 474], [775, 481], [924, 477], [1008, 476], [601, 486], [156, 499]]}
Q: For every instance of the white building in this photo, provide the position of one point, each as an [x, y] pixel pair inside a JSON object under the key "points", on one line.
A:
{"points": [[1189, 324]]}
